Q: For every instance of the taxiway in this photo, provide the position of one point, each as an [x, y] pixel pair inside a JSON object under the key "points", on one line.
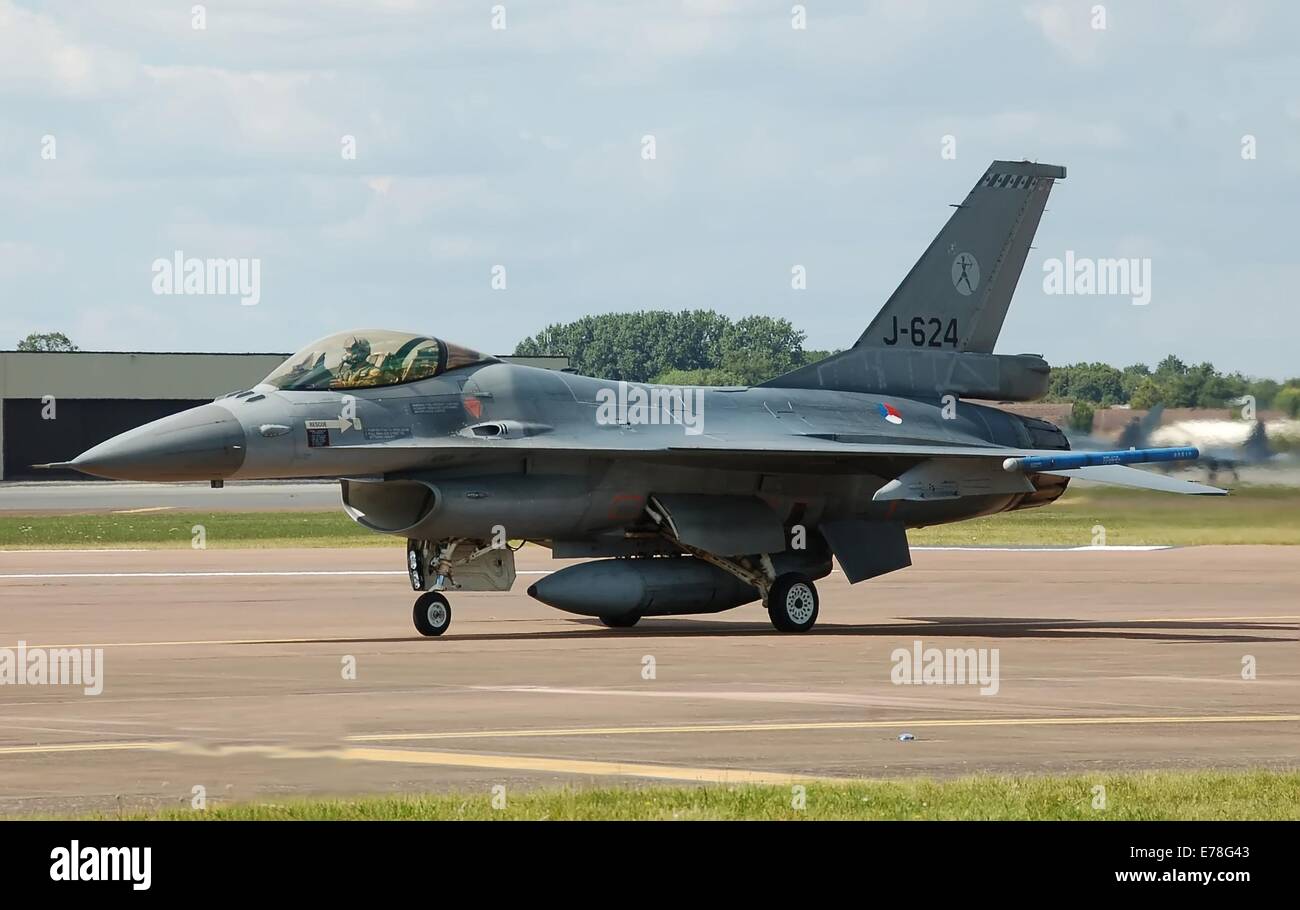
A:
{"points": [[225, 669]]}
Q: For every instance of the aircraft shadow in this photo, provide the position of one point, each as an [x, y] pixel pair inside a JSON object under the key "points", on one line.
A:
{"points": [[1182, 631], [963, 627]]}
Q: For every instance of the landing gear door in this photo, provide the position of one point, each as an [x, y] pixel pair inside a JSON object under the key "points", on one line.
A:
{"points": [[415, 564], [459, 565], [493, 570], [722, 525]]}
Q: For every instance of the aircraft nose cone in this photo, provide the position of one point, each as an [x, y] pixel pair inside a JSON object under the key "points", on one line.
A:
{"points": [[203, 443]]}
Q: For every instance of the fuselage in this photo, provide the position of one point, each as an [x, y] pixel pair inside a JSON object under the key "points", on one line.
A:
{"points": [[559, 456]]}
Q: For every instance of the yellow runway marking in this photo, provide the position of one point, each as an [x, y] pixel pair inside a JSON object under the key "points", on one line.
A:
{"points": [[421, 757], [573, 766], [835, 725], [88, 747], [601, 768]]}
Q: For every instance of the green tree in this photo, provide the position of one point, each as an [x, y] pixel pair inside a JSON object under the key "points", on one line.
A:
{"points": [[759, 347], [1288, 400], [1098, 383], [47, 341], [651, 343], [699, 377], [633, 346], [1149, 393], [1264, 390], [1081, 415], [1132, 378], [1217, 390], [1171, 367]]}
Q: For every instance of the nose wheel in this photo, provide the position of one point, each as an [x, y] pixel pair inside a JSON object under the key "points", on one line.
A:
{"points": [[792, 603], [432, 613]]}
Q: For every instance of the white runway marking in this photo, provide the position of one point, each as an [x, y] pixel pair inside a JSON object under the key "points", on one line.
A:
{"points": [[292, 574], [21, 575], [1107, 549], [86, 550], [344, 572]]}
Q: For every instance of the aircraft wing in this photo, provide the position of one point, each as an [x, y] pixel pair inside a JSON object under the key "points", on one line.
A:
{"points": [[1099, 467]]}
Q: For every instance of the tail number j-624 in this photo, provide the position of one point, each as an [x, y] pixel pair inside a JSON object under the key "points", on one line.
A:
{"points": [[925, 332]]}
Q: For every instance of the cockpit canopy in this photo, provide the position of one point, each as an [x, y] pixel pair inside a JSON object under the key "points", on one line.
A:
{"points": [[369, 358]]}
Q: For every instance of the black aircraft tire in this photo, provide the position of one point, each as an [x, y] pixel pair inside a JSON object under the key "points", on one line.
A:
{"points": [[432, 613], [792, 603], [621, 622]]}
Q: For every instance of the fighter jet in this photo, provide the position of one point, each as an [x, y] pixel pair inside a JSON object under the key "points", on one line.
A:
{"points": [[1255, 450], [682, 500], [1227, 445], [1135, 434]]}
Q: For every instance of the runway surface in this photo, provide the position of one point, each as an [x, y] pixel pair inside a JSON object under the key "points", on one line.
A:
{"points": [[78, 496], [224, 670]]}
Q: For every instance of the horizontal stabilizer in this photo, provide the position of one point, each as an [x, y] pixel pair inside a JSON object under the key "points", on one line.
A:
{"points": [[1122, 476]]}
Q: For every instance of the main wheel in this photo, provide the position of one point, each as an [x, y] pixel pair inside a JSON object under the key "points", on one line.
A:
{"points": [[432, 613], [621, 622], [792, 603]]}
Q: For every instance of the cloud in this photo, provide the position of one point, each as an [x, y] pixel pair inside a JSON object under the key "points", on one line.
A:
{"points": [[19, 259], [1028, 133], [1068, 28], [37, 56], [522, 146]]}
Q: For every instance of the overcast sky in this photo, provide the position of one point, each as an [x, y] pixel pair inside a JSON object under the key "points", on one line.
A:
{"points": [[127, 134]]}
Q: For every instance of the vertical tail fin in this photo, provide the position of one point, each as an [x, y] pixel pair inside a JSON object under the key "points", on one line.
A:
{"points": [[1137, 434], [956, 296]]}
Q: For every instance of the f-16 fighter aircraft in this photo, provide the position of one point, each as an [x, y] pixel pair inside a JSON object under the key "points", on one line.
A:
{"points": [[683, 500]]}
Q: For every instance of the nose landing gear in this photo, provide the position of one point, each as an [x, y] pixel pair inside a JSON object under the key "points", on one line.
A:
{"points": [[432, 613], [478, 565]]}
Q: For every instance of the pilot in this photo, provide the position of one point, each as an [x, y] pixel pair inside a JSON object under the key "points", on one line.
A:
{"points": [[356, 370]]}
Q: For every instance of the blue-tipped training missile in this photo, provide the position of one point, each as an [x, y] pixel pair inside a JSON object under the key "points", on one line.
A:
{"points": [[1071, 460]]}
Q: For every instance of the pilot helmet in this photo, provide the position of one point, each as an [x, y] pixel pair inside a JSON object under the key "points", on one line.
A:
{"points": [[357, 350]]}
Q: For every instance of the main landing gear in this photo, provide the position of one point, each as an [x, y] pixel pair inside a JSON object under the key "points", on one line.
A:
{"points": [[792, 603], [790, 596]]}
